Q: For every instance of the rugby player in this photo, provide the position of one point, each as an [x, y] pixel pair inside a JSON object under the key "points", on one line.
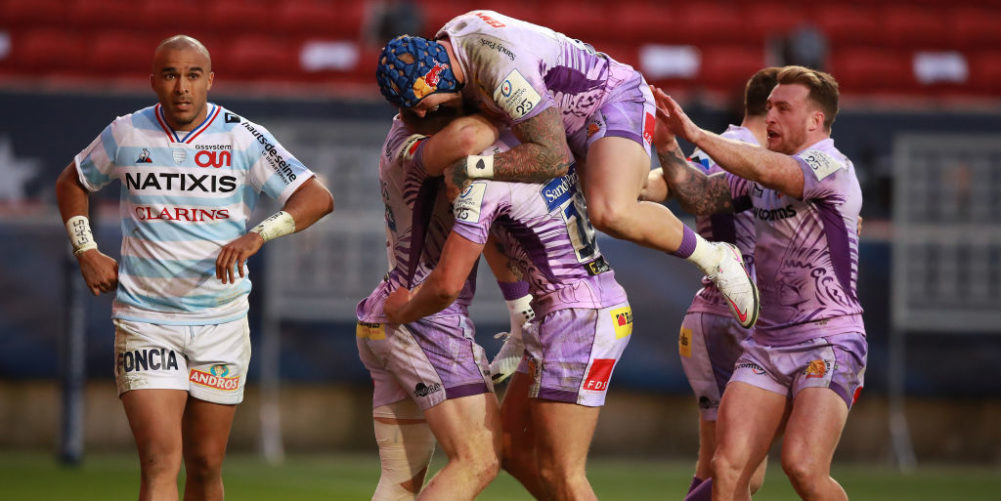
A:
{"points": [[191, 171], [803, 366], [709, 340], [561, 99], [582, 326]]}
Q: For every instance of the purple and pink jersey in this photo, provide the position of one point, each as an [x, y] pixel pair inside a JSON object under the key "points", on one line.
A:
{"points": [[806, 256], [406, 192], [544, 229], [736, 228], [515, 70]]}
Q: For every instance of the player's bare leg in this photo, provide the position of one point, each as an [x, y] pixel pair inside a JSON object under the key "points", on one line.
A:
{"points": [[703, 467], [749, 420], [812, 434], [206, 428], [519, 457], [468, 430], [563, 434], [615, 173], [155, 419]]}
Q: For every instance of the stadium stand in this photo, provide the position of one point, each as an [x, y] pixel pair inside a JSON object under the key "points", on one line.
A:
{"points": [[872, 46]]}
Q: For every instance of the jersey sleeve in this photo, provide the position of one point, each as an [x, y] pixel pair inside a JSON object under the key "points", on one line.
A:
{"points": [[823, 173], [477, 208], [273, 169], [95, 165]]}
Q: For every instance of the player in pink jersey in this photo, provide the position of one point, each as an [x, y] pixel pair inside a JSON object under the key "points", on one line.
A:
{"points": [[561, 99], [803, 367], [710, 338]]}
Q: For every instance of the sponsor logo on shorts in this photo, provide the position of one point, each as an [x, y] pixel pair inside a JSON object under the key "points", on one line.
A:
{"points": [[144, 360], [215, 378], [858, 391], [423, 390], [370, 331], [622, 319], [755, 368], [816, 368], [648, 126], [685, 342], [592, 129], [601, 371]]}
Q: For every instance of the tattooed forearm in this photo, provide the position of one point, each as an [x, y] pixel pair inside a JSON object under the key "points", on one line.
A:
{"points": [[698, 193], [543, 153]]}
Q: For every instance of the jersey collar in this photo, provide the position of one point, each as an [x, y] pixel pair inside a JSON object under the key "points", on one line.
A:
{"points": [[189, 135]]}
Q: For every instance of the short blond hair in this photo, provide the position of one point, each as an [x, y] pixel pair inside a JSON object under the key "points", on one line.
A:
{"points": [[823, 89]]}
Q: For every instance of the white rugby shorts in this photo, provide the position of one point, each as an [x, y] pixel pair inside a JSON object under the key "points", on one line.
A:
{"points": [[210, 362]]}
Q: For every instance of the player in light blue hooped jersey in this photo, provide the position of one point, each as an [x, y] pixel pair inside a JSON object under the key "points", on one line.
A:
{"points": [[191, 173], [561, 99], [709, 341], [803, 366], [584, 319]]}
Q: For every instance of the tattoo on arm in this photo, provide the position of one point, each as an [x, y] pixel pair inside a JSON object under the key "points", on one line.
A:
{"points": [[543, 153], [698, 193]]}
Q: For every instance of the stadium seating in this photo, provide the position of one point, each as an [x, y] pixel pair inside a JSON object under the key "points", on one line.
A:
{"points": [[871, 44]]}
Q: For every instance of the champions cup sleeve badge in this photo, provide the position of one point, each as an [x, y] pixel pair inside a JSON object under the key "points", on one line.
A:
{"points": [[428, 83], [179, 155]]}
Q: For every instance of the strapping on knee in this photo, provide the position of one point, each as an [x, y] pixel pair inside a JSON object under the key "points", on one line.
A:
{"points": [[405, 449]]}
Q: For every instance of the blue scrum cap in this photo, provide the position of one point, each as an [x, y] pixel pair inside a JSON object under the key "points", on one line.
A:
{"points": [[412, 68]]}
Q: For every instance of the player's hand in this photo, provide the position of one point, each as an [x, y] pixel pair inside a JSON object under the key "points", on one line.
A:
{"points": [[671, 116], [100, 271], [235, 254], [394, 304], [456, 180]]}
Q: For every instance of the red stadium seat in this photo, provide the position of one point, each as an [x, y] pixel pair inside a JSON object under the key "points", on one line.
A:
{"points": [[258, 57], [985, 72], [47, 50], [576, 19], [518, 10], [320, 19], [239, 16], [33, 13], [973, 28], [727, 68], [98, 14], [437, 13], [907, 26], [846, 23], [622, 52], [125, 53], [642, 21], [773, 20], [702, 23], [861, 70], [177, 16]]}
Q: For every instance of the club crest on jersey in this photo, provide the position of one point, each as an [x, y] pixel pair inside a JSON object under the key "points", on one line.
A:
{"points": [[179, 155], [428, 83], [144, 157]]}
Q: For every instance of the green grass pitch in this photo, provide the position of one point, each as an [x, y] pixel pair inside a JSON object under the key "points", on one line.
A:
{"points": [[334, 477]]}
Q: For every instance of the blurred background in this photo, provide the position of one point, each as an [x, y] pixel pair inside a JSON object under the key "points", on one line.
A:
{"points": [[921, 119]]}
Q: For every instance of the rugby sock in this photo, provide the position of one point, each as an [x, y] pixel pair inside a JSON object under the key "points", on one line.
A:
{"points": [[697, 250], [695, 483], [704, 491], [513, 290]]}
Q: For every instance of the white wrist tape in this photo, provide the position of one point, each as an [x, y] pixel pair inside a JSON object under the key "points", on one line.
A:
{"points": [[78, 228], [480, 166], [278, 225], [521, 312]]}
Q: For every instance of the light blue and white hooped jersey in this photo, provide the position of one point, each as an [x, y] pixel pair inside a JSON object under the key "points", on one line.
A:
{"points": [[185, 194]]}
